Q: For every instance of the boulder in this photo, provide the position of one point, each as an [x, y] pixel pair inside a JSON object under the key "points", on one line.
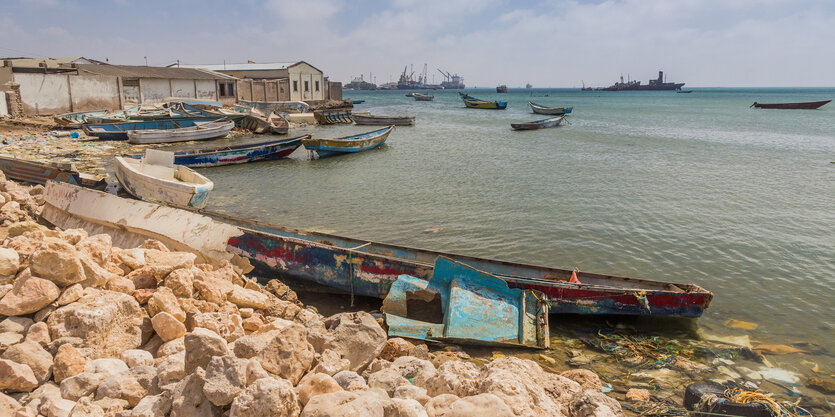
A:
{"points": [[109, 323], [314, 384], [243, 297], [180, 282], [120, 284], [9, 339], [9, 262], [344, 404], [483, 405], [387, 380], [454, 377], [164, 262], [416, 371], [107, 366], [8, 405], [200, 346], [172, 368], [96, 276], [59, 408], [171, 347], [68, 362], [439, 406], [143, 278], [355, 336], [587, 379], [211, 289], [167, 326], [154, 244], [266, 397], [591, 403], [97, 248], [28, 295], [81, 385], [16, 377], [164, 300], [111, 406], [412, 392], [395, 348], [124, 386], [188, 399], [137, 357], [228, 326], [58, 262], [70, 294], [526, 388], [350, 381], [329, 362], [34, 355], [281, 346], [85, 408], [15, 325], [150, 406], [4, 289], [226, 377], [399, 407], [39, 333]]}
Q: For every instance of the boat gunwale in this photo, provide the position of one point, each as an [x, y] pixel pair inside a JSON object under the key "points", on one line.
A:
{"points": [[192, 187], [355, 137]]}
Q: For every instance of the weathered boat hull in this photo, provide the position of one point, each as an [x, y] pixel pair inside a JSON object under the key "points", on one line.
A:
{"points": [[811, 105], [348, 144], [539, 124], [148, 187], [339, 264], [119, 131], [78, 118], [383, 120], [277, 106], [200, 131], [473, 103], [329, 117], [230, 155], [38, 172], [556, 111]]}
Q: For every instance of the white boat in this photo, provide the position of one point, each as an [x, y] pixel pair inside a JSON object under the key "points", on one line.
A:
{"points": [[200, 131], [155, 178]]}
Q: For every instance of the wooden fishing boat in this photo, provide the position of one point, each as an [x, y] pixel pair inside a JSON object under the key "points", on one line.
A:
{"points": [[501, 89], [540, 109], [411, 94], [119, 131], [331, 263], [78, 118], [278, 124], [238, 154], [255, 121], [277, 106], [680, 91], [461, 304], [474, 103], [348, 144], [200, 131], [329, 117], [38, 172], [155, 178], [538, 124], [810, 105], [384, 120], [423, 97], [357, 101]]}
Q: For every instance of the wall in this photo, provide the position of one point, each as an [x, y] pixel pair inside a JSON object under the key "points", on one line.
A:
{"points": [[5, 77], [182, 88], [334, 90], [206, 89], [44, 93], [94, 92], [154, 90], [303, 72], [131, 95], [4, 110]]}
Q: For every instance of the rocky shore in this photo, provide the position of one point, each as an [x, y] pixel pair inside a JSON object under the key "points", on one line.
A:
{"points": [[88, 329]]}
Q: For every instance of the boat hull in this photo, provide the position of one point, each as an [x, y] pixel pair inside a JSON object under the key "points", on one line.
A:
{"points": [[554, 111], [38, 172], [205, 131], [240, 154], [119, 131], [539, 124], [157, 190], [383, 120], [488, 105], [811, 105], [330, 117], [349, 144]]}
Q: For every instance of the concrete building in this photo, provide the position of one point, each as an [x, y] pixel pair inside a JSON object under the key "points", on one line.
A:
{"points": [[293, 81]]}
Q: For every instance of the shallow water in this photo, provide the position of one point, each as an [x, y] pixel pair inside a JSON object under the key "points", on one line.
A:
{"points": [[676, 187]]}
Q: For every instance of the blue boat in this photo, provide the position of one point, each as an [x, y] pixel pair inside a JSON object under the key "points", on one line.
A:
{"points": [[461, 304], [239, 154], [357, 101], [348, 144], [119, 131]]}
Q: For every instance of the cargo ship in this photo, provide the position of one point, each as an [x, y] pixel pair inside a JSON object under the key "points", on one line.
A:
{"points": [[654, 85], [501, 89], [451, 81]]}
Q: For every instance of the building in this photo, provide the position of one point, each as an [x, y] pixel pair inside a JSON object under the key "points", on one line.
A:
{"points": [[277, 81], [55, 85]]}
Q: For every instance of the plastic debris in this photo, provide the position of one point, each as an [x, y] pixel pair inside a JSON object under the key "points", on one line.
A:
{"points": [[739, 324]]}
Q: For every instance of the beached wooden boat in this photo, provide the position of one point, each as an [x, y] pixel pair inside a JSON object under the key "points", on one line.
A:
{"points": [[347, 144], [538, 124], [461, 304], [38, 172], [200, 131], [119, 131], [255, 122], [540, 109], [474, 103], [810, 105], [329, 117], [238, 154], [384, 120], [278, 124], [423, 97], [78, 118], [277, 106], [155, 178]]}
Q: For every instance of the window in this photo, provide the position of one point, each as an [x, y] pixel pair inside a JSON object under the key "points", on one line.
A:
{"points": [[226, 89], [317, 85], [295, 85], [306, 86], [130, 82]]}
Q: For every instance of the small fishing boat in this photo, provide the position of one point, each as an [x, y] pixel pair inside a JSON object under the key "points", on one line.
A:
{"points": [[465, 95], [810, 105], [278, 124], [119, 130], [78, 118], [384, 120], [538, 124], [474, 103], [38, 172], [238, 154], [423, 97], [329, 117], [680, 91], [411, 94], [357, 101], [501, 89], [540, 109], [460, 304], [155, 178], [255, 122], [277, 106], [200, 131], [347, 144]]}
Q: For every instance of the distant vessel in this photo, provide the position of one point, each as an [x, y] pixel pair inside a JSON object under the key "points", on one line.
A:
{"points": [[360, 84], [584, 88], [654, 85], [451, 81], [409, 83], [501, 89], [528, 85]]}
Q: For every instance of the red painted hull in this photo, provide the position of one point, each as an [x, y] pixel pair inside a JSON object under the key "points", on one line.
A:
{"points": [[811, 105]]}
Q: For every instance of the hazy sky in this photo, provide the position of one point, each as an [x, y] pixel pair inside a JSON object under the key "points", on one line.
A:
{"points": [[556, 43]]}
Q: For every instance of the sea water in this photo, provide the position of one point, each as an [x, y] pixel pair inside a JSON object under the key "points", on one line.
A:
{"points": [[688, 188]]}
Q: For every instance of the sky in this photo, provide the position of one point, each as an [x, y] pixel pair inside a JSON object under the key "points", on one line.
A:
{"points": [[548, 43]]}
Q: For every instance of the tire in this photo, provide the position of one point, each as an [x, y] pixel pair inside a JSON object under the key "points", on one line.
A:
{"points": [[694, 393]]}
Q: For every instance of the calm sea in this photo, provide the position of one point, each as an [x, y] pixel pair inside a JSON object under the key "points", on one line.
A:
{"points": [[675, 187]]}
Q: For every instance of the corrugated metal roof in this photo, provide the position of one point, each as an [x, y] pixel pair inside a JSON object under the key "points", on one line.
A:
{"points": [[139, 71], [266, 66], [23, 62]]}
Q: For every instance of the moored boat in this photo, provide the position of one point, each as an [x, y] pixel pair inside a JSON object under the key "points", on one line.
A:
{"points": [[277, 106], [255, 121], [119, 131], [200, 131], [78, 118], [384, 120], [329, 117], [474, 103], [155, 178], [540, 109], [238, 154], [809, 105], [357, 101], [38, 172], [538, 124], [423, 97], [278, 124], [347, 144], [501, 89]]}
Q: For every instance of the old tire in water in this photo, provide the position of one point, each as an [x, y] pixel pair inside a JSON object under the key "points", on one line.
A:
{"points": [[695, 392]]}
